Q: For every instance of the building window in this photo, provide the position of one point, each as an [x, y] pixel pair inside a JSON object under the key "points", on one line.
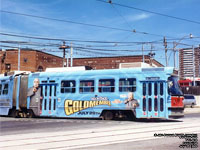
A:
{"points": [[68, 86], [25, 60], [8, 67], [40, 69]]}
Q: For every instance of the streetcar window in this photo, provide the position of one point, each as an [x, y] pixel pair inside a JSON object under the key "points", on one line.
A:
{"points": [[155, 89], [144, 89], [5, 89], [106, 85], [50, 90], [68, 86], [86, 86], [150, 89], [150, 104], [161, 88], [45, 104], [155, 104], [45, 90], [127, 85], [54, 104], [49, 104], [144, 104], [54, 90], [161, 104], [173, 86], [0, 88]]}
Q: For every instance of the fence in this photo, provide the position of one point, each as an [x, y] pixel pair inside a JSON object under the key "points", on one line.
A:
{"points": [[194, 90]]}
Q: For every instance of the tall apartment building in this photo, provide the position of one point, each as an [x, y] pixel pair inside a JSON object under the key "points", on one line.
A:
{"points": [[189, 63]]}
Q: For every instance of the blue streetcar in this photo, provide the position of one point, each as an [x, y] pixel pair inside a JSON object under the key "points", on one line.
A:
{"points": [[133, 92]]}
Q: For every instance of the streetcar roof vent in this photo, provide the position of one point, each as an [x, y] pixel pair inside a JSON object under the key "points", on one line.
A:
{"points": [[152, 69], [134, 65]]}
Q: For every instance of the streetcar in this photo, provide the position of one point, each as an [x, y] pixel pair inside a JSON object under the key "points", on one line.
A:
{"points": [[107, 94]]}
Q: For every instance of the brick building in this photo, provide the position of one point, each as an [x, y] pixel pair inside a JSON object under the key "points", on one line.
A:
{"points": [[30, 60], [113, 62], [34, 60]]}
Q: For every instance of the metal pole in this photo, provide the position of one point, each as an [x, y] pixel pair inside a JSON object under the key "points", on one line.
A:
{"points": [[63, 57], [165, 44], [174, 49], [19, 52], [64, 47], [193, 55], [67, 59], [143, 53], [71, 55]]}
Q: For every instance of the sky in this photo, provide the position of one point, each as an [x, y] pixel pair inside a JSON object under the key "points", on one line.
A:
{"points": [[98, 29]]}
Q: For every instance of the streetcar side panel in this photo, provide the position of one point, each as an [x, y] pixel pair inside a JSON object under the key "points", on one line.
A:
{"points": [[6, 88], [90, 93]]}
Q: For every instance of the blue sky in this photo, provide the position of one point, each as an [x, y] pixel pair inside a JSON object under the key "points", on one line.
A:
{"points": [[103, 14]]}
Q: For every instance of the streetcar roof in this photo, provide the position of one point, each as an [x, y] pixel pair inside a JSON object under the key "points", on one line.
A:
{"points": [[167, 70]]}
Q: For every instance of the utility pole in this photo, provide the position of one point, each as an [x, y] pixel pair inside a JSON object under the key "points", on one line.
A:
{"points": [[63, 47], [151, 55], [143, 52], [174, 49], [19, 53], [165, 44], [71, 55]]}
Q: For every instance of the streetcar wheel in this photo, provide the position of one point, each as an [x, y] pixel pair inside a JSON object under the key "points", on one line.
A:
{"points": [[15, 113], [108, 115], [30, 114]]}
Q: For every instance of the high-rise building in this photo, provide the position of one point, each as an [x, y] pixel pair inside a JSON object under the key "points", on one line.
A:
{"points": [[189, 63]]}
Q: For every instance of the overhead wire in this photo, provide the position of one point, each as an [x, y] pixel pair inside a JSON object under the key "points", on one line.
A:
{"points": [[80, 23], [152, 12]]}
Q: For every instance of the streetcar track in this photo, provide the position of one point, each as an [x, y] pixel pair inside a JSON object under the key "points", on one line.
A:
{"points": [[93, 137], [92, 132]]}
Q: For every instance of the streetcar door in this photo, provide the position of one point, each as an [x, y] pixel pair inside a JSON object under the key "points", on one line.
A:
{"points": [[154, 101], [48, 100]]}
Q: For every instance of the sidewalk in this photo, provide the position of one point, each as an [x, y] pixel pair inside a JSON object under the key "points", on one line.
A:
{"points": [[189, 110]]}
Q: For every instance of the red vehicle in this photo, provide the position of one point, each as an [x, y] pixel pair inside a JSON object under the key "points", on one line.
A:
{"points": [[185, 83]]}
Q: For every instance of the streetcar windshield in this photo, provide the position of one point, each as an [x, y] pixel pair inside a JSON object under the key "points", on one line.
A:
{"points": [[173, 86]]}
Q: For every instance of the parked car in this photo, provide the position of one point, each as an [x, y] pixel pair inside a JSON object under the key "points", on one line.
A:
{"points": [[189, 100]]}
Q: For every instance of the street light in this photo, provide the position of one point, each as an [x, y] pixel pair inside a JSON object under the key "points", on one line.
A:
{"points": [[176, 43]]}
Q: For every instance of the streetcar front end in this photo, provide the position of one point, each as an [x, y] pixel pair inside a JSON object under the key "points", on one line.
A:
{"points": [[176, 109]]}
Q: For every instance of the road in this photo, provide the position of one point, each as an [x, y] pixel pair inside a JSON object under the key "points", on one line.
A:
{"points": [[93, 134]]}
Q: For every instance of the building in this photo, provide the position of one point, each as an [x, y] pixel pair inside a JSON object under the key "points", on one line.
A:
{"points": [[34, 60], [113, 62], [189, 63], [30, 60]]}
